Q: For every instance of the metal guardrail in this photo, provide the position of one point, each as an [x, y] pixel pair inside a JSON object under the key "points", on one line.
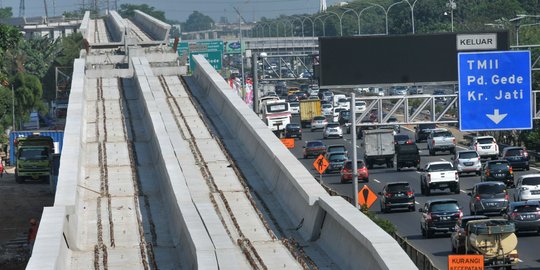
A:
{"points": [[420, 259]]}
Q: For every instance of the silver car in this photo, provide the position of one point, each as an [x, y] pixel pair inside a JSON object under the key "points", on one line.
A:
{"points": [[467, 161], [488, 197], [332, 130]]}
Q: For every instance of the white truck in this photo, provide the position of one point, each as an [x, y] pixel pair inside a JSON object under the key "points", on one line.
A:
{"points": [[441, 139], [439, 175], [379, 147]]}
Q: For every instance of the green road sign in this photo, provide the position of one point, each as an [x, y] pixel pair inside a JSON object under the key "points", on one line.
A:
{"points": [[211, 49], [214, 58]]}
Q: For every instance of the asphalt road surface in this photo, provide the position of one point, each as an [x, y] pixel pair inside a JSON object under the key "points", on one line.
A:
{"points": [[408, 223]]}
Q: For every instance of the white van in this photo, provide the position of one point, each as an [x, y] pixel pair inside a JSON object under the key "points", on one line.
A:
{"points": [[336, 98]]}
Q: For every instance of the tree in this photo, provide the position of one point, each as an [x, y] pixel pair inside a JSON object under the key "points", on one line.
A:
{"points": [[28, 94], [128, 11], [6, 13], [9, 37], [198, 22]]}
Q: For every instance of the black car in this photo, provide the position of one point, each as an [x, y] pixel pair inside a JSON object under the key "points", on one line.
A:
{"points": [[401, 139], [422, 131], [293, 131], [458, 235], [344, 117], [525, 216], [397, 195], [292, 98], [336, 160], [488, 198], [498, 170], [439, 216], [407, 155], [517, 156]]}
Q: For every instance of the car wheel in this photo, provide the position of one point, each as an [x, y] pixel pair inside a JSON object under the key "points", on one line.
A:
{"points": [[428, 191], [527, 168], [398, 167], [456, 190], [413, 208], [342, 181], [453, 248], [305, 157], [366, 179], [478, 173], [429, 233]]}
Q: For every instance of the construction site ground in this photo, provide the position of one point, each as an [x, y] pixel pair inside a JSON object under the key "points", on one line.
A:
{"points": [[19, 203]]}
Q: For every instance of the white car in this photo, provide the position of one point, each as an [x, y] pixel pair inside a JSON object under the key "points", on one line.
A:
{"points": [[527, 188], [327, 109], [467, 161], [294, 107], [332, 130], [486, 146], [344, 103], [360, 106]]}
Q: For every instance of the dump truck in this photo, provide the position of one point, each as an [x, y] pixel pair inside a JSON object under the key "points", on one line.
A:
{"points": [[379, 147], [33, 158], [495, 240], [309, 108]]}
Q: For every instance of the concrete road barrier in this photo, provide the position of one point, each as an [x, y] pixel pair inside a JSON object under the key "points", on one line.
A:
{"points": [[348, 237]]}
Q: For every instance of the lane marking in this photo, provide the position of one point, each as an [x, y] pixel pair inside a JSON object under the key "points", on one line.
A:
{"points": [[416, 202], [377, 181], [463, 191], [443, 159]]}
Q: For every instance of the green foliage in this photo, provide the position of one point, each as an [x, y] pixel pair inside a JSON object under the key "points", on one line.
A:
{"points": [[197, 22], [9, 37], [128, 11], [6, 13], [28, 94], [5, 108], [386, 225], [38, 55]]}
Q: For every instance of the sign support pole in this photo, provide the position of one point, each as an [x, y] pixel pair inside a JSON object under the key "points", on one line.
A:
{"points": [[355, 159], [320, 178]]}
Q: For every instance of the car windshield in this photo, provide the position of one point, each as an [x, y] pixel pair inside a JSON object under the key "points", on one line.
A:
{"points": [[408, 148], [339, 148], [499, 166], [338, 157], [293, 126], [294, 104], [526, 208], [33, 153], [398, 188], [442, 134], [359, 164], [345, 113], [485, 140], [332, 125], [315, 144], [444, 207], [360, 103], [401, 137], [319, 118], [343, 100], [531, 181], [327, 106], [468, 155], [491, 189], [426, 126], [337, 110], [514, 152], [440, 167]]}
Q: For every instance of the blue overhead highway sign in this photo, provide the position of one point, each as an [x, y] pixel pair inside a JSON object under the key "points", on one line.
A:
{"points": [[495, 90]]}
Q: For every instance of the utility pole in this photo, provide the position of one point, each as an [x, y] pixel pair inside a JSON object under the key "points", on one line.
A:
{"points": [[240, 18], [46, 11], [13, 106], [21, 8]]}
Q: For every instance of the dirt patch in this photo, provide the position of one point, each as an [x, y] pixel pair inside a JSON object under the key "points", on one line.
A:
{"points": [[20, 203]]}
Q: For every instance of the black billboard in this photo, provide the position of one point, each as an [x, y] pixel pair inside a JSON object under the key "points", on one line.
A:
{"points": [[400, 59]]}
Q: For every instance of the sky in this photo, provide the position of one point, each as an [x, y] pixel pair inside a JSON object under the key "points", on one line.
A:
{"points": [[251, 10]]}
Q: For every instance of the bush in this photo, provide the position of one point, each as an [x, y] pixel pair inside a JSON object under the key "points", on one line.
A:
{"points": [[386, 225]]}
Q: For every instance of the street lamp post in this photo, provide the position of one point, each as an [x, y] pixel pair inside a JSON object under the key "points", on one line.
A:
{"points": [[357, 16], [451, 5], [312, 26], [386, 11], [412, 12], [360, 15], [13, 106], [322, 21]]}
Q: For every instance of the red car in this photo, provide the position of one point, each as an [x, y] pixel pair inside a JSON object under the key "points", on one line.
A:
{"points": [[314, 149], [346, 172]]}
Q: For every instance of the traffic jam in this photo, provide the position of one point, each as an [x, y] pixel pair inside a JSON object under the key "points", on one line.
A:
{"points": [[446, 193]]}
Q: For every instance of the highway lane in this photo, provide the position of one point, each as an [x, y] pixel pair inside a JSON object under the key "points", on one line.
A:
{"points": [[408, 223]]}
